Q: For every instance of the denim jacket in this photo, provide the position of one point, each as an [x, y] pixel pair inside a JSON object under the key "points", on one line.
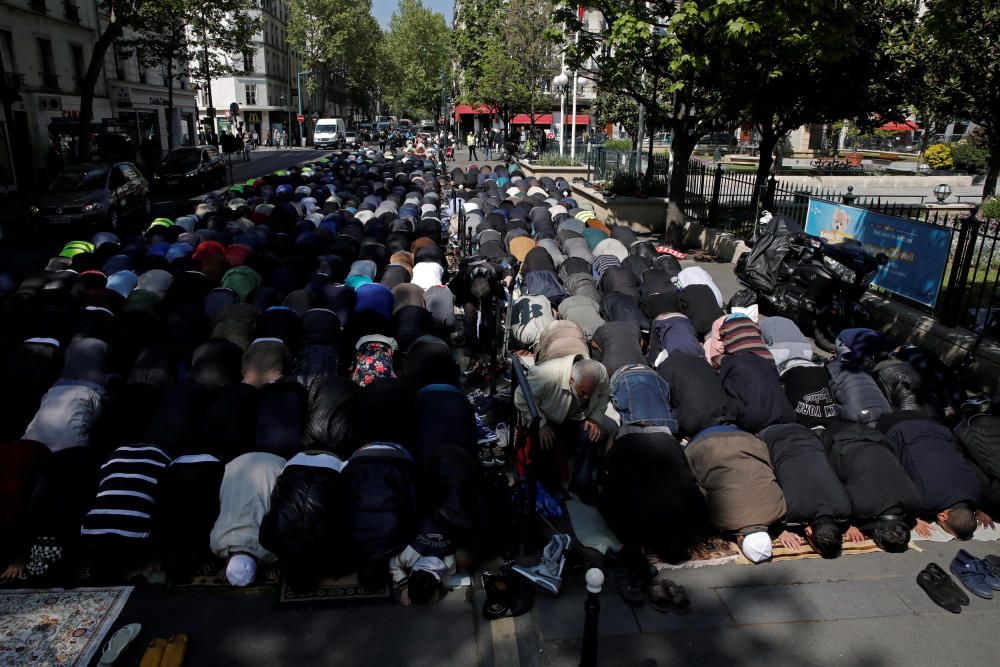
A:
{"points": [[641, 396]]}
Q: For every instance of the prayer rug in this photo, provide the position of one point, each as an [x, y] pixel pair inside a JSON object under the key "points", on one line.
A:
{"points": [[717, 551], [345, 589], [57, 627]]}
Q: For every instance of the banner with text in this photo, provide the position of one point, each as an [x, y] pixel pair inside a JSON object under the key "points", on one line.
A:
{"points": [[918, 252]]}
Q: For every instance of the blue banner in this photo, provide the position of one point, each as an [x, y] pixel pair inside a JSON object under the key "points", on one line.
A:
{"points": [[918, 252]]}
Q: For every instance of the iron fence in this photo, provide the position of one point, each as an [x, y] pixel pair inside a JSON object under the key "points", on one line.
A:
{"points": [[609, 165]]}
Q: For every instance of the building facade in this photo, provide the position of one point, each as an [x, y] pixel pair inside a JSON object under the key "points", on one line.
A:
{"points": [[268, 94], [44, 51]]}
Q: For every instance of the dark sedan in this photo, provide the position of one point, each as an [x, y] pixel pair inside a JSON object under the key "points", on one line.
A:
{"points": [[93, 195], [190, 167]]}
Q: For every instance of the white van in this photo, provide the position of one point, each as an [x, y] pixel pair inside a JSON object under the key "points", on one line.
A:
{"points": [[329, 133]]}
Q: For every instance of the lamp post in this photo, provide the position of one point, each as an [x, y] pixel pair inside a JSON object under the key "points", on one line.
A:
{"points": [[298, 83], [942, 192], [924, 169], [572, 133], [561, 81]]}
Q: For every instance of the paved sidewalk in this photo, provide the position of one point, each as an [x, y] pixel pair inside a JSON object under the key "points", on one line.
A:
{"points": [[856, 610]]}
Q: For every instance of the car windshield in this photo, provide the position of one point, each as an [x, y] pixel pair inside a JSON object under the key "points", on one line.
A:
{"points": [[182, 158], [79, 179]]}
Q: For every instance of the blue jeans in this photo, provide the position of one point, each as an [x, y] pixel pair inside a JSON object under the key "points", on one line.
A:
{"points": [[641, 396]]}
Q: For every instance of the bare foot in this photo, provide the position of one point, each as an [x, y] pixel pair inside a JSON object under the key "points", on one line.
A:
{"points": [[14, 572]]}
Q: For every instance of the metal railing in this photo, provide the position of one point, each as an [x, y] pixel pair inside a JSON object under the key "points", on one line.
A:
{"points": [[970, 294], [72, 10]]}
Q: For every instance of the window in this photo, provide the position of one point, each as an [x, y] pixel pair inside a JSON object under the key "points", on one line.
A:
{"points": [[78, 66], [7, 51], [38, 5], [251, 94], [248, 65], [72, 10], [46, 64], [120, 59]]}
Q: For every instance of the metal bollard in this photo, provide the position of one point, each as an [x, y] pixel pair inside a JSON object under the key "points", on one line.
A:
{"points": [[592, 611]]}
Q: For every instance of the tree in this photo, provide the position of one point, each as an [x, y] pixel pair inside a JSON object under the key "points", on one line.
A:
{"points": [[115, 15], [820, 61], [173, 33], [506, 55], [620, 110], [962, 40], [220, 39], [670, 57], [329, 35], [419, 45]]}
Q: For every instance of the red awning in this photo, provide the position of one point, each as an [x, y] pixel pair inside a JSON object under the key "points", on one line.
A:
{"points": [[905, 126], [546, 119], [465, 110]]}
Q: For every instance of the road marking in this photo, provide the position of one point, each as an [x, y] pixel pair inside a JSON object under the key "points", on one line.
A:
{"points": [[504, 636]]}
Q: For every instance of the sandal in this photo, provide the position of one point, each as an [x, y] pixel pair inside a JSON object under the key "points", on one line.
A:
{"points": [[174, 652], [629, 585], [665, 595], [154, 653], [118, 643]]}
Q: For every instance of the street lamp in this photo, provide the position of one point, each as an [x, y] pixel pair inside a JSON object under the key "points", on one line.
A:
{"points": [[298, 82], [942, 191], [924, 169], [282, 100], [561, 81]]}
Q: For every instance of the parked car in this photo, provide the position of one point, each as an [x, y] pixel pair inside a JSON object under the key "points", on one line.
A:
{"points": [[190, 167], [93, 195], [351, 139]]}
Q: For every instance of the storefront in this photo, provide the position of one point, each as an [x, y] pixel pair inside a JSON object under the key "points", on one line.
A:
{"points": [[148, 110], [55, 126]]}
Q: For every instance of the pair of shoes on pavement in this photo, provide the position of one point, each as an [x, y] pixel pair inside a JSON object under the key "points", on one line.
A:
{"points": [[507, 595], [942, 589], [980, 577], [546, 575], [492, 456], [633, 574], [165, 652]]}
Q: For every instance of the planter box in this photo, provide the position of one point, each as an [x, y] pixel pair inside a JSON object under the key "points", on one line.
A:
{"points": [[569, 173], [642, 215]]}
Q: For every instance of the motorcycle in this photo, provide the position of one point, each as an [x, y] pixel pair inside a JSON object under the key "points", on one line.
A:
{"points": [[807, 279]]}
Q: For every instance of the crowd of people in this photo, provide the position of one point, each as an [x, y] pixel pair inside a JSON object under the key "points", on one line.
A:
{"points": [[282, 376]]}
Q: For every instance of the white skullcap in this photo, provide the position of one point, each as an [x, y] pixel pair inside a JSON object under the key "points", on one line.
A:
{"points": [[757, 547], [241, 570]]}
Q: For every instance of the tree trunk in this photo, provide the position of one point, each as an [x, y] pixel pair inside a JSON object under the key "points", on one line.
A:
{"points": [[992, 172], [111, 32], [768, 140], [170, 104], [682, 146]]}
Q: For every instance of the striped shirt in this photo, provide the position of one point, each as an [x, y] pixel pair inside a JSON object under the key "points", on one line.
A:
{"points": [[126, 496], [741, 334]]}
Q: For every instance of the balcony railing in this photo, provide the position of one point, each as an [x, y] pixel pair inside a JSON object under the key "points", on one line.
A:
{"points": [[50, 81], [72, 10], [13, 81], [38, 6]]}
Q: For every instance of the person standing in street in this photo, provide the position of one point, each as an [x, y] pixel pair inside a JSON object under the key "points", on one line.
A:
{"points": [[470, 141], [284, 138], [487, 149]]}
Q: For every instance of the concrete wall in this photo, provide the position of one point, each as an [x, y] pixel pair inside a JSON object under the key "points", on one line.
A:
{"points": [[642, 215], [860, 182]]}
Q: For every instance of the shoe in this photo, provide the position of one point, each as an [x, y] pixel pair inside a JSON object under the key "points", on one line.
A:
{"points": [[972, 573], [955, 589], [503, 435], [990, 572], [499, 457], [937, 588], [486, 436], [994, 562], [629, 584], [118, 643], [154, 653], [547, 575], [486, 459], [506, 596], [174, 652]]}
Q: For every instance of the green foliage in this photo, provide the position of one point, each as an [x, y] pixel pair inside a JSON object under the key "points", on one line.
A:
{"points": [[618, 145], [617, 109], [334, 38], [555, 160], [418, 46], [629, 184], [505, 54], [938, 156], [990, 209], [969, 158], [961, 43]]}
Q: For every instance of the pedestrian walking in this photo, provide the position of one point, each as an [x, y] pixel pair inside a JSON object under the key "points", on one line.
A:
{"points": [[484, 140], [284, 138], [470, 141]]}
